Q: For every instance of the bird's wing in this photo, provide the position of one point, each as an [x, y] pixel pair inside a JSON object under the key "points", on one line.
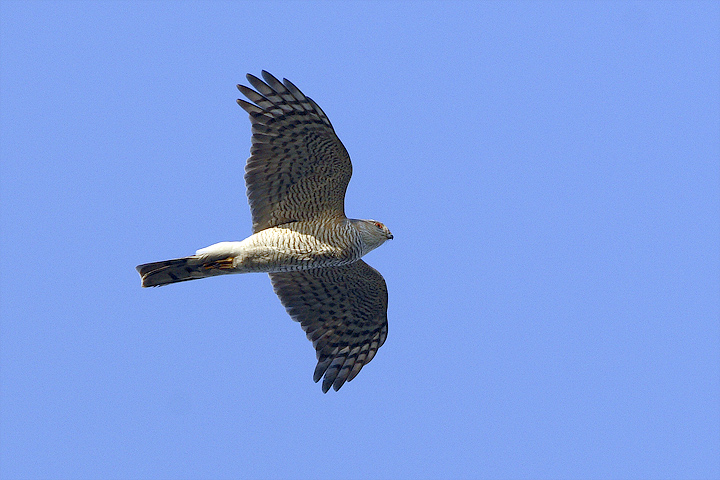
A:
{"points": [[343, 311], [298, 169]]}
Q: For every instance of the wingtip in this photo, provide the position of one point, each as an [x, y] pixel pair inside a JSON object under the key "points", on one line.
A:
{"points": [[252, 79], [326, 385], [317, 375]]}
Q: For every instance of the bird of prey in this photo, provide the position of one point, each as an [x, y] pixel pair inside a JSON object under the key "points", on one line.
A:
{"points": [[296, 179]]}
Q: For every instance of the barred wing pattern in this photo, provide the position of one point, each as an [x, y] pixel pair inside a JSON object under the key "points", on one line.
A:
{"points": [[298, 169], [343, 311]]}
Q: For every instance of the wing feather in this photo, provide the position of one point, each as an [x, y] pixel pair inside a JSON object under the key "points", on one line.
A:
{"points": [[343, 311], [298, 168]]}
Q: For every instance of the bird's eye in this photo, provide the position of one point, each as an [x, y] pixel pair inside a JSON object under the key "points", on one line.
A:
{"points": [[379, 225]]}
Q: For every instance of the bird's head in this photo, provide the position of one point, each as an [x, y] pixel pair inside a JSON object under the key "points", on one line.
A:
{"points": [[373, 234]]}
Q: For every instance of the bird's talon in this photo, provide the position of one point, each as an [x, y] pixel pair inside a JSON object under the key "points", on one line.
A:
{"points": [[225, 264]]}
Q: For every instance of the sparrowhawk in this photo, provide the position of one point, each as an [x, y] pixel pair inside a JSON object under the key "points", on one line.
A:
{"points": [[296, 179]]}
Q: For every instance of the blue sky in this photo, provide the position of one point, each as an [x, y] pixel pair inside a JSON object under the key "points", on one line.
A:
{"points": [[550, 171]]}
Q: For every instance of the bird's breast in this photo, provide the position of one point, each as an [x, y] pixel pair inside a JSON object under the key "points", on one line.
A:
{"points": [[299, 246]]}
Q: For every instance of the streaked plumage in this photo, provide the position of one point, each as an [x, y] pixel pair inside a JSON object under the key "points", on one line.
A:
{"points": [[296, 179]]}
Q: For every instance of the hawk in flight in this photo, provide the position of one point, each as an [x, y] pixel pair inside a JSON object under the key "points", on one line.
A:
{"points": [[296, 179]]}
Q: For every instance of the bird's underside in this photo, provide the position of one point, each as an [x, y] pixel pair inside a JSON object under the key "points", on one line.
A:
{"points": [[296, 179]]}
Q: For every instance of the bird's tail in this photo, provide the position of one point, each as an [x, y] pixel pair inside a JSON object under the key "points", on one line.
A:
{"points": [[157, 274]]}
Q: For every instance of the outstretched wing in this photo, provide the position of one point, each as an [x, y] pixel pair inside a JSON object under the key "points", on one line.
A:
{"points": [[298, 169], [343, 311]]}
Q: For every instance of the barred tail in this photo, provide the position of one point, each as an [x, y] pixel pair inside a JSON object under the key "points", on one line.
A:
{"points": [[157, 274]]}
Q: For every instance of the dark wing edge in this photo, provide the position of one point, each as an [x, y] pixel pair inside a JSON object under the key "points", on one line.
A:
{"points": [[275, 95], [343, 311]]}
